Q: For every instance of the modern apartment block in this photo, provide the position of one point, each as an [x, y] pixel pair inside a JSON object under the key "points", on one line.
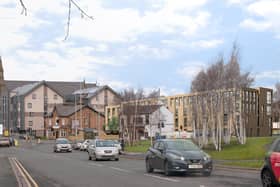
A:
{"points": [[253, 106]]}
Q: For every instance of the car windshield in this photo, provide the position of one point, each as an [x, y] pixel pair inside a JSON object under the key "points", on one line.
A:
{"points": [[62, 141], [104, 144], [181, 145]]}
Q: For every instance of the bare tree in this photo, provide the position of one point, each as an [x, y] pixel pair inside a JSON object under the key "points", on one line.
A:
{"points": [[70, 4], [222, 76], [276, 94]]}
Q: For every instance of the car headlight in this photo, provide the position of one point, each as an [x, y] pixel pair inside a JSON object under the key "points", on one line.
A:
{"points": [[176, 157], [206, 157]]}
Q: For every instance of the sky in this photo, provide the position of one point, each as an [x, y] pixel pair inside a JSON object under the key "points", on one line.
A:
{"points": [[150, 44]]}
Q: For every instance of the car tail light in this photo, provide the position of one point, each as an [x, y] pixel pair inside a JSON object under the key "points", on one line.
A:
{"points": [[275, 164]]}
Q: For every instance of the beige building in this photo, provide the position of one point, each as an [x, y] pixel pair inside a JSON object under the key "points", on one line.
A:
{"points": [[30, 104], [252, 105]]}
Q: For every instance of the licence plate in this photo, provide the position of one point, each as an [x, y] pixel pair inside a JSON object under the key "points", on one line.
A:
{"points": [[195, 166]]}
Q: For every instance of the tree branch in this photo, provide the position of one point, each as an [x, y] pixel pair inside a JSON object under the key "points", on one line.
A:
{"points": [[70, 2], [24, 10]]}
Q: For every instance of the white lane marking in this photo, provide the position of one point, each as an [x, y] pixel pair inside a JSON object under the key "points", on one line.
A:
{"points": [[119, 169], [94, 164], [162, 178]]}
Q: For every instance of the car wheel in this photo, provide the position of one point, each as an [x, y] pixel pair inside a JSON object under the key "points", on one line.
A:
{"points": [[149, 169], [94, 157], [266, 178], [166, 169], [116, 159], [89, 157]]}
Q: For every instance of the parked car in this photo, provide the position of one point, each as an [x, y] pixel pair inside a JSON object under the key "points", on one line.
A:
{"points": [[103, 150], [85, 144], [177, 155], [62, 144], [118, 145], [270, 172], [5, 141], [77, 144]]}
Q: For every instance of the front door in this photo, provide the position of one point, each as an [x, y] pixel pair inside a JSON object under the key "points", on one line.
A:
{"points": [[56, 134]]}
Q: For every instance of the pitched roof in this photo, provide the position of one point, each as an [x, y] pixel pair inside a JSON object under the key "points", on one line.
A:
{"points": [[22, 90], [62, 88], [140, 110], [91, 92], [65, 110]]}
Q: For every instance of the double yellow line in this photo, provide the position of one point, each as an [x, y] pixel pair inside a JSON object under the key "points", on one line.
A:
{"points": [[23, 177]]}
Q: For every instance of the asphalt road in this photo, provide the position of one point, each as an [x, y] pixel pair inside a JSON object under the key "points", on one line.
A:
{"points": [[75, 170]]}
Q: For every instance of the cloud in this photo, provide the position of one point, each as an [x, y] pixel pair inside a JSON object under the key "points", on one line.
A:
{"points": [[190, 69], [207, 43], [265, 16], [127, 24], [256, 25], [141, 50], [268, 75]]}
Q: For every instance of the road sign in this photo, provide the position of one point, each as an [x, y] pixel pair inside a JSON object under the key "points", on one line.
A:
{"points": [[1, 129]]}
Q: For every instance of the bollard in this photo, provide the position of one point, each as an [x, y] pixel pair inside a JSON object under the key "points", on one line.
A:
{"points": [[16, 143]]}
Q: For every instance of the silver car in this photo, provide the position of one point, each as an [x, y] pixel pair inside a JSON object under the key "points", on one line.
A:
{"points": [[4, 141], [103, 150], [62, 144]]}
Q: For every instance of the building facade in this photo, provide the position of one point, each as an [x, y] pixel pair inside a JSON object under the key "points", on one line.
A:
{"points": [[69, 120], [252, 107]]}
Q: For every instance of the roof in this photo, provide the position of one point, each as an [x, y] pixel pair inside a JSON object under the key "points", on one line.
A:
{"points": [[22, 90], [141, 109], [93, 91], [65, 110], [62, 88]]}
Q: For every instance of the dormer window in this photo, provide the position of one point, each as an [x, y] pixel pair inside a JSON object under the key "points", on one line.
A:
{"points": [[55, 96]]}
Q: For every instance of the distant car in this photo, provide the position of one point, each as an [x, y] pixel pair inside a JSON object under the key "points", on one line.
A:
{"points": [[85, 144], [177, 155], [62, 144], [5, 141], [118, 145], [270, 172], [23, 136], [76, 144], [103, 150]]}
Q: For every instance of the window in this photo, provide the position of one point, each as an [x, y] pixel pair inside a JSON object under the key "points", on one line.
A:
{"points": [[30, 123], [147, 121], [268, 110], [96, 98], [156, 145], [185, 122], [30, 114], [50, 122], [55, 96], [29, 105], [33, 96], [176, 122], [113, 112], [63, 121], [268, 97]]}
